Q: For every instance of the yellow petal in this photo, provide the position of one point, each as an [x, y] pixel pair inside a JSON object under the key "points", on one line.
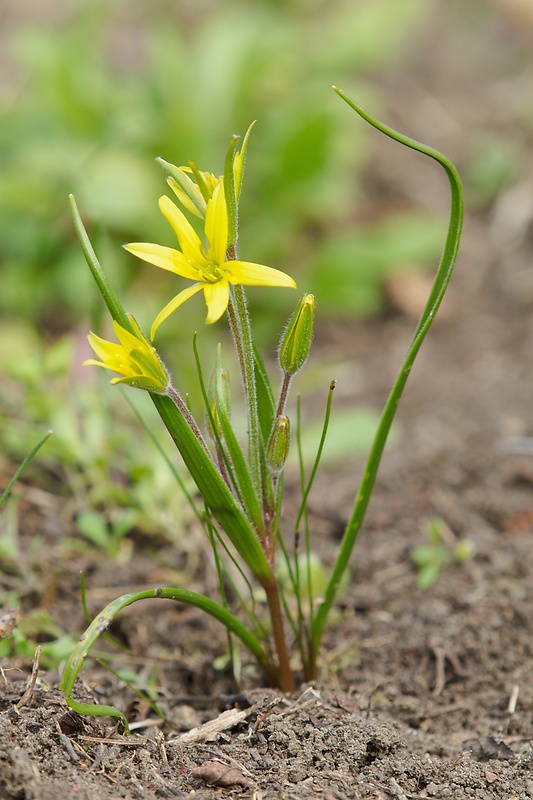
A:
{"points": [[257, 275], [173, 305], [126, 339], [216, 298], [216, 225], [104, 350], [190, 244], [163, 257]]}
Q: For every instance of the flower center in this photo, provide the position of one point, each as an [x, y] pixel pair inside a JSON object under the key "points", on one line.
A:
{"points": [[213, 274]]}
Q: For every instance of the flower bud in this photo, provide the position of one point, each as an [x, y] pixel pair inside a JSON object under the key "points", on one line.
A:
{"points": [[296, 340], [278, 444]]}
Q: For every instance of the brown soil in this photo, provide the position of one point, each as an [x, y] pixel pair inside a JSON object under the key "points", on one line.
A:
{"points": [[422, 693]]}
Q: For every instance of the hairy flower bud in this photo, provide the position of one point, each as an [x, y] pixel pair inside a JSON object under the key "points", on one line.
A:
{"points": [[296, 340], [278, 444]]}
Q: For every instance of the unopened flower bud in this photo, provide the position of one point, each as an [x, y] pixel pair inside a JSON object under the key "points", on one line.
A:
{"points": [[296, 340], [278, 444]]}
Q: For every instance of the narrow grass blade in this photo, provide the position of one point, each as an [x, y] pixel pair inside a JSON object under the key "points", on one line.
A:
{"points": [[36, 447]]}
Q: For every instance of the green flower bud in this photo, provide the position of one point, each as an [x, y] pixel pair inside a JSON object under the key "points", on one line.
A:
{"points": [[296, 340], [278, 444]]}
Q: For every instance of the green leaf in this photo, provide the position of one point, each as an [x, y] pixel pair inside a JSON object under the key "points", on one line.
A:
{"points": [[240, 467], [103, 620], [442, 278], [216, 494]]}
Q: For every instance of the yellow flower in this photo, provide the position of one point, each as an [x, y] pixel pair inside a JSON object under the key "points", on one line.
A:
{"points": [[133, 358], [207, 266]]}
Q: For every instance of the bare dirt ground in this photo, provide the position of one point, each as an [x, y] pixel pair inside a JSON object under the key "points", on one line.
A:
{"points": [[422, 693]]}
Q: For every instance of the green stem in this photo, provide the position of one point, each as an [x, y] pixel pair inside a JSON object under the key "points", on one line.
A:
{"points": [[285, 677], [438, 290], [284, 393]]}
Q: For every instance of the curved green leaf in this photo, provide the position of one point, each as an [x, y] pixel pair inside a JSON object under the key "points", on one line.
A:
{"points": [[103, 620], [437, 292]]}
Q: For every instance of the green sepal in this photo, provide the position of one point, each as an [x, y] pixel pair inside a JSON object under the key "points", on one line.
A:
{"points": [[146, 364], [103, 620], [205, 191], [147, 384], [278, 445], [186, 184], [230, 193]]}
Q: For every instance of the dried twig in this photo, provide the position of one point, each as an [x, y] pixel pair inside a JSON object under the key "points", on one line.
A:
{"points": [[26, 697]]}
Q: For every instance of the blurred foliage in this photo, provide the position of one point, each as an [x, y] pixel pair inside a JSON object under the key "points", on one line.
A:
{"points": [[102, 89], [494, 162], [38, 628]]}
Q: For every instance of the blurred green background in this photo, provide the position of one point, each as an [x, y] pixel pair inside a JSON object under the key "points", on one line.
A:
{"points": [[91, 91]]}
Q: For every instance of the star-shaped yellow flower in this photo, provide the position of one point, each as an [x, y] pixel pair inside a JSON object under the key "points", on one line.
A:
{"points": [[133, 358], [207, 266]]}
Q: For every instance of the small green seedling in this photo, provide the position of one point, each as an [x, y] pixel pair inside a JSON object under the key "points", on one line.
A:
{"points": [[442, 549]]}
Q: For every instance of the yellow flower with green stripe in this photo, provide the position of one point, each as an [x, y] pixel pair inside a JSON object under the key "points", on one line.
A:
{"points": [[132, 357], [205, 265]]}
